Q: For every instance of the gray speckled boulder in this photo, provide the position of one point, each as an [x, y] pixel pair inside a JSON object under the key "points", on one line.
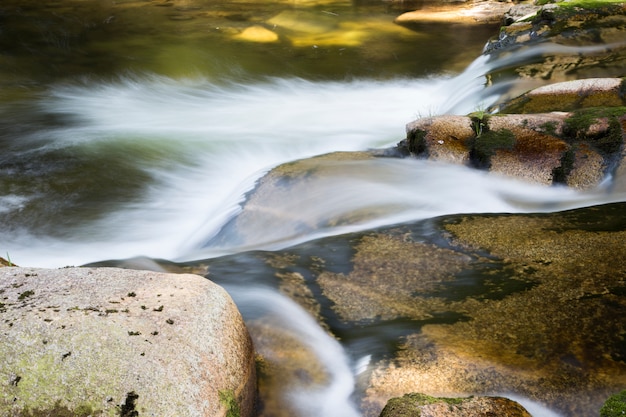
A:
{"points": [[111, 342]]}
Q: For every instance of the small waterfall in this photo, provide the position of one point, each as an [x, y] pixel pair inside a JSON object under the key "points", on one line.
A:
{"points": [[195, 148], [331, 399]]}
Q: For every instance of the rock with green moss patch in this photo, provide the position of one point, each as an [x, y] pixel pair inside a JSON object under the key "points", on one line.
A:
{"points": [[113, 342], [578, 148], [416, 405]]}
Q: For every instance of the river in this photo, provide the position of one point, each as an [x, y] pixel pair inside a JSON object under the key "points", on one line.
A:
{"points": [[136, 128]]}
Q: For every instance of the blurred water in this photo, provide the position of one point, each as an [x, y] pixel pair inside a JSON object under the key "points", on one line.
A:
{"points": [[120, 140], [154, 166]]}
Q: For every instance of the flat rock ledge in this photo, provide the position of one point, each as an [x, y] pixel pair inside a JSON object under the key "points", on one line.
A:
{"points": [[115, 342]]}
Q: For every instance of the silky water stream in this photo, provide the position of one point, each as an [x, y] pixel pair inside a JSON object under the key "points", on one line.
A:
{"points": [[151, 161]]}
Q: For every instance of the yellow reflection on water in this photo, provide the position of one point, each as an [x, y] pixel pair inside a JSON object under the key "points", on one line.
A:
{"points": [[179, 38]]}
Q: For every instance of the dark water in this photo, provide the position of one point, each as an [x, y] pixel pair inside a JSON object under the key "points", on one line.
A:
{"points": [[44, 42]]}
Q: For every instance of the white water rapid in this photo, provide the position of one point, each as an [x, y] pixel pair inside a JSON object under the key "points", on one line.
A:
{"points": [[205, 144]]}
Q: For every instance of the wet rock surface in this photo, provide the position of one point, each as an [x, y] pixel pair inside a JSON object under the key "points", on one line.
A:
{"points": [[108, 341], [524, 304], [270, 212], [290, 370], [569, 41], [547, 331]]}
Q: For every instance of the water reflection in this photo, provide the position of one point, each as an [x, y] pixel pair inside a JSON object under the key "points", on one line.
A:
{"points": [[44, 42]]}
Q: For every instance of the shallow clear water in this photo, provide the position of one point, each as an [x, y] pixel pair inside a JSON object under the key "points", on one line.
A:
{"points": [[136, 128]]}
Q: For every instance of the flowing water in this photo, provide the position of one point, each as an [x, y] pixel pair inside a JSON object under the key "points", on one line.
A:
{"points": [[136, 128]]}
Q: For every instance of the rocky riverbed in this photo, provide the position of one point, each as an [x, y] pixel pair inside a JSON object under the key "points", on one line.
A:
{"points": [[520, 305]]}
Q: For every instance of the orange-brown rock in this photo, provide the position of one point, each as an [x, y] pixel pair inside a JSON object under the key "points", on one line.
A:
{"points": [[578, 148]]}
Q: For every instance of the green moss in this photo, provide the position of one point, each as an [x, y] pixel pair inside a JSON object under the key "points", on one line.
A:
{"points": [[549, 128], [622, 89], [410, 404], [587, 4], [485, 146], [417, 141], [577, 127], [25, 295], [614, 406], [228, 400], [576, 15], [560, 173], [612, 142], [480, 122], [59, 411]]}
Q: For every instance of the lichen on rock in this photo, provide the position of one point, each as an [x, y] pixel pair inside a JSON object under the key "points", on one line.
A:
{"points": [[120, 342]]}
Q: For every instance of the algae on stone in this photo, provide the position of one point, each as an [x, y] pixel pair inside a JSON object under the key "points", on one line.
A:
{"points": [[389, 276], [554, 340], [416, 404], [615, 406]]}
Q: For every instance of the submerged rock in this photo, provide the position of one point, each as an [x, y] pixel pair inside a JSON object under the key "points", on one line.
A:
{"points": [[416, 405], [271, 213], [536, 314], [106, 341], [257, 34], [287, 367], [389, 271]]}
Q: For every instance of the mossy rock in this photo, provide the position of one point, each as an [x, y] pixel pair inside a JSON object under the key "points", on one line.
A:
{"points": [[414, 405]]}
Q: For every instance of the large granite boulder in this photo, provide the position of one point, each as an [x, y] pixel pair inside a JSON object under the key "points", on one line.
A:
{"points": [[111, 342]]}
